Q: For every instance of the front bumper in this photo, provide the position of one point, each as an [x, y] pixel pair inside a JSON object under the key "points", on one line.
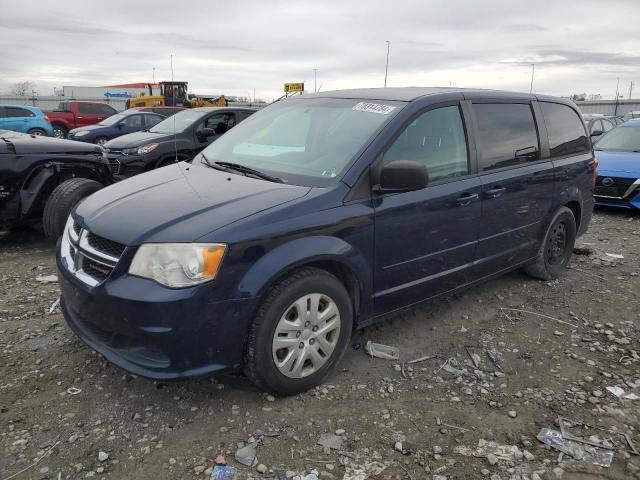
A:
{"points": [[153, 331]]}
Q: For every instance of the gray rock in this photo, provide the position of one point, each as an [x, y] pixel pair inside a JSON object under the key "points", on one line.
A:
{"points": [[492, 459], [557, 472], [437, 449], [103, 456], [262, 468], [513, 413], [247, 454], [330, 440]]}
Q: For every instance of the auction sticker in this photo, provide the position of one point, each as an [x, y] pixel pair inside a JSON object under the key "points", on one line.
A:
{"points": [[373, 108]]}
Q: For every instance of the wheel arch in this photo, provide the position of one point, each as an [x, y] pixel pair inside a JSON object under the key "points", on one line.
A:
{"points": [[330, 254]]}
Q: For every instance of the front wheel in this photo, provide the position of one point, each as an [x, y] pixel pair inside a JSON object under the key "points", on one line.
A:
{"points": [[300, 332], [101, 141], [38, 132], [62, 201], [556, 248]]}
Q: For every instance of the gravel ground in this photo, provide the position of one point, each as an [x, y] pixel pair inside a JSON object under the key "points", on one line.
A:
{"points": [[67, 413]]}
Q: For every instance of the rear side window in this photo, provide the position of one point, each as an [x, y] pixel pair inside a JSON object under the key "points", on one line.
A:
{"points": [[566, 132], [507, 135], [105, 109], [96, 108], [14, 112]]}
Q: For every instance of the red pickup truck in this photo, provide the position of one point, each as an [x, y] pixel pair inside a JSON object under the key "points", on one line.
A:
{"points": [[73, 113]]}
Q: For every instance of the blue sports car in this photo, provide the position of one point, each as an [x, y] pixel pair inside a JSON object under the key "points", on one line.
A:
{"points": [[129, 121], [618, 154]]}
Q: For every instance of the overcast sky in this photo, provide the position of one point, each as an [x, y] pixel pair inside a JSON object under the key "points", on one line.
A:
{"points": [[233, 47]]}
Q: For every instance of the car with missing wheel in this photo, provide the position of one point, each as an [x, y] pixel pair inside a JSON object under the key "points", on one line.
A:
{"points": [[321, 214], [43, 178], [179, 137], [618, 153]]}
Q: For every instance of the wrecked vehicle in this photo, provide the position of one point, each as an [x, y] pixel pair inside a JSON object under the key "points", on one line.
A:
{"points": [[43, 178], [319, 214]]}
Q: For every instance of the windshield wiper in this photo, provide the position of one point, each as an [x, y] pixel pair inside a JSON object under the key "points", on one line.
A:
{"points": [[246, 170], [213, 165]]}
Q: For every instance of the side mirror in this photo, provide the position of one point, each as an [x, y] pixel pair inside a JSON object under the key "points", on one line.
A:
{"points": [[402, 176], [206, 133], [121, 125], [596, 133]]}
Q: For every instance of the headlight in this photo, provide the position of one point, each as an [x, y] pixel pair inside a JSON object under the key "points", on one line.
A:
{"points": [[178, 264], [147, 149], [81, 133]]}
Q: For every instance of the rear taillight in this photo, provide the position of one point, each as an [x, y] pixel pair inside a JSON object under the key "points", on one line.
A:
{"points": [[595, 171], [47, 119]]}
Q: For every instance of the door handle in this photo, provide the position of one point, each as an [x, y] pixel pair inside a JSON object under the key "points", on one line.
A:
{"points": [[495, 192], [466, 198]]}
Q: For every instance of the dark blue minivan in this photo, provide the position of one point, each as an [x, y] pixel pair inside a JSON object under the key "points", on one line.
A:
{"points": [[317, 215]]}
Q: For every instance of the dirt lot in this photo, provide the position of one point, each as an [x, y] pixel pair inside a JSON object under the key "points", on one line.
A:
{"points": [[61, 404]]}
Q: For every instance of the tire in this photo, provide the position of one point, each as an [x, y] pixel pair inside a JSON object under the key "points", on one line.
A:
{"points": [[38, 132], [302, 363], [62, 201], [59, 131], [556, 248], [101, 141]]}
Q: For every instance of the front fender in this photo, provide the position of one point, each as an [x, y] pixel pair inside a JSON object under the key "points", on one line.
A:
{"points": [[300, 252]]}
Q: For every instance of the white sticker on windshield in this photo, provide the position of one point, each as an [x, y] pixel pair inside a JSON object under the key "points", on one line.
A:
{"points": [[373, 108]]}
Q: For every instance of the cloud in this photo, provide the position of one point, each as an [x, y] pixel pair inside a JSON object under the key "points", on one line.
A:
{"points": [[234, 47]]}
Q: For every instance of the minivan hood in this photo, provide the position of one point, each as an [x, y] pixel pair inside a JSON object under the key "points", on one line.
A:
{"points": [[21, 143], [617, 161], [136, 139], [179, 203]]}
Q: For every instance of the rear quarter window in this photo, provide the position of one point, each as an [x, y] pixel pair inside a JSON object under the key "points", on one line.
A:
{"points": [[567, 135], [17, 112]]}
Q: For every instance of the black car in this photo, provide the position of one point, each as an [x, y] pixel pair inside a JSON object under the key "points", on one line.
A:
{"points": [[42, 178], [178, 138]]}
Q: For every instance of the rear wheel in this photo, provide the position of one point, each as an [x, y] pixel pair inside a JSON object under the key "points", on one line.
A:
{"points": [[62, 201], [300, 332], [556, 249], [59, 131], [101, 140], [38, 132]]}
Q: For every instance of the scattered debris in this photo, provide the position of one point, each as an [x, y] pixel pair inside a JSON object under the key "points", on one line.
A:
{"points": [[555, 439], [47, 278], [382, 351], [222, 472], [584, 250], [354, 470], [489, 450], [103, 456], [247, 454], [619, 393], [74, 391], [54, 305], [541, 315], [422, 359], [622, 440], [615, 256]]}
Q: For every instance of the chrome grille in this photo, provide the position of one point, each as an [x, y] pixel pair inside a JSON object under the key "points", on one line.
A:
{"points": [[89, 257], [615, 187]]}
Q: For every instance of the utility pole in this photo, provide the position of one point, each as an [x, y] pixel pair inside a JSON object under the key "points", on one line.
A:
{"points": [[254, 95], [630, 89], [154, 74], [533, 70], [315, 80], [386, 68], [615, 111]]}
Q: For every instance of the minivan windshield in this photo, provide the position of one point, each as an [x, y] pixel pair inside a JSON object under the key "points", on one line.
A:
{"points": [[304, 141], [621, 138], [177, 123]]}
